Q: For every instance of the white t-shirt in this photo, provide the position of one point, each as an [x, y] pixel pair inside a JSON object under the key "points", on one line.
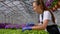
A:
{"points": [[58, 9], [46, 15]]}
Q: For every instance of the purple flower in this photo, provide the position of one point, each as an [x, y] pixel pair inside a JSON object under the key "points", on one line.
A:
{"points": [[16, 26], [2, 25], [48, 4], [9, 26], [23, 25]]}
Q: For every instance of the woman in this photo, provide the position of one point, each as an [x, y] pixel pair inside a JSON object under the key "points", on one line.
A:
{"points": [[47, 19]]}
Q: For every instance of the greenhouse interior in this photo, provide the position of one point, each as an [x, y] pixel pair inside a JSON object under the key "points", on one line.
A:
{"points": [[16, 13]]}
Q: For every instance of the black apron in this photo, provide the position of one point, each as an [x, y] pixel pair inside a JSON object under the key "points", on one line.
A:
{"points": [[52, 29]]}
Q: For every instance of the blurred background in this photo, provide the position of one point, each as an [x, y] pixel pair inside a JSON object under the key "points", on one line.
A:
{"points": [[20, 11], [17, 11]]}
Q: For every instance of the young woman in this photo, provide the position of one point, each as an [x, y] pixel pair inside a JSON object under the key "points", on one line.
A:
{"points": [[47, 19]]}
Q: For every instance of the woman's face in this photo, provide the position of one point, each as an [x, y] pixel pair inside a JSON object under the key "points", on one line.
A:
{"points": [[37, 8]]}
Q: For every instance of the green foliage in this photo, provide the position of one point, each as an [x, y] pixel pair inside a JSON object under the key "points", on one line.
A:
{"points": [[19, 31], [54, 3]]}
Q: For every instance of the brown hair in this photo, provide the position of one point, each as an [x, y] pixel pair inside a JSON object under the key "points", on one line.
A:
{"points": [[53, 17], [40, 2]]}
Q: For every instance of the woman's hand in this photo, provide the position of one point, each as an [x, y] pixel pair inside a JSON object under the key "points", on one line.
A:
{"points": [[26, 28]]}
